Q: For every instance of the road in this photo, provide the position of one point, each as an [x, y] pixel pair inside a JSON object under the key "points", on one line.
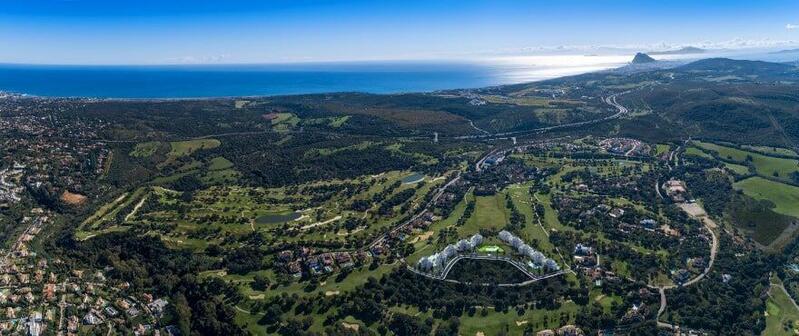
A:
{"points": [[610, 100], [695, 211], [421, 212], [533, 278]]}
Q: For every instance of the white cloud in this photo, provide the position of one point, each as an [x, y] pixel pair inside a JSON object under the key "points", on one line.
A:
{"points": [[791, 26], [198, 59]]}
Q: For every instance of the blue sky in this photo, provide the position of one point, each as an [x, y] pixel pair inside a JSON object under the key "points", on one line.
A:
{"points": [[230, 31]]}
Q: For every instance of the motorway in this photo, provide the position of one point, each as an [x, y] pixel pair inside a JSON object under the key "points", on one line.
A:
{"points": [[610, 100]]}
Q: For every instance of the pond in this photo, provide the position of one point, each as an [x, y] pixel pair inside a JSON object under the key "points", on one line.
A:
{"points": [[277, 218], [413, 178]]}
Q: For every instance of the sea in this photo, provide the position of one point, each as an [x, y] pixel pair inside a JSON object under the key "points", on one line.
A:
{"points": [[235, 80]]}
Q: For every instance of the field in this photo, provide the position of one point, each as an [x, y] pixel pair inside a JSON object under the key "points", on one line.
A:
{"points": [[215, 212], [785, 197], [736, 168], [145, 149], [693, 151], [764, 165], [758, 219], [489, 212], [782, 316], [184, 148], [495, 323], [661, 148], [219, 163], [771, 150], [490, 249]]}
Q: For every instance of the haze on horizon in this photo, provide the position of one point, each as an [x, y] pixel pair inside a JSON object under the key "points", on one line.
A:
{"points": [[201, 31]]}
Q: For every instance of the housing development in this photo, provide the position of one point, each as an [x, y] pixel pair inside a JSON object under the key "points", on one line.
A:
{"points": [[609, 203]]}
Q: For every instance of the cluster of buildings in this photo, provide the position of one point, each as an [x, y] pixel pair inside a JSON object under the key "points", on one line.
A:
{"points": [[587, 261], [11, 185], [584, 256], [537, 259], [585, 211], [439, 259], [57, 153], [567, 330], [675, 189], [396, 237], [625, 146], [303, 260], [37, 299]]}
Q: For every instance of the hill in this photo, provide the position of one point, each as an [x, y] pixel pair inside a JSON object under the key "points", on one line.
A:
{"points": [[681, 51], [641, 58], [786, 51]]}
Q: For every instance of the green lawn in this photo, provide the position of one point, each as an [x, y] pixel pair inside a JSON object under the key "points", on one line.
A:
{"points": [[771, 150], [764, 165], [662, 148], [736, 168], [785, 197], [494, 323], [145, 149], [693, 151], [490, 249], [338, 121], [219, 163], [489, 212], [780, 313], [183, 148]]}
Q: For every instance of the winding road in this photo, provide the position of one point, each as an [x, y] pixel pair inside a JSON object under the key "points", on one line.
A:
{"points": [[697, 212], [610, 100]]}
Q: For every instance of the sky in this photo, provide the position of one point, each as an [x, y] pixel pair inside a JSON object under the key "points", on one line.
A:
{"points": [[238, 31]]}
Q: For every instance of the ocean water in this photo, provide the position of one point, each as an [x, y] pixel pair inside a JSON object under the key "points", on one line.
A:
{"points": [[193, 81]]}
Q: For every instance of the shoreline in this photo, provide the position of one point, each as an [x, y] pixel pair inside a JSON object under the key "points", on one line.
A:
{"points": [[499, 76]]}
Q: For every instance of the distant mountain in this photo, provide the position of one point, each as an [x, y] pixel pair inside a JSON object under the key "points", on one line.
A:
{"points": [[742, 69], [787, 51], [681, 51], [641, 58]]}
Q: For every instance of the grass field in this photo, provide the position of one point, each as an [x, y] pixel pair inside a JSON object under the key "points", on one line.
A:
{"points": [[284, 121], [183, 148], [219, 163], [145, 149], [785, 197], [771, 150], [757, 218], [693, 151], [736, 168], [764, 165], [781, 314], [496, 323], [490, 249], [338, 121], [489, 212], [662, 148]]}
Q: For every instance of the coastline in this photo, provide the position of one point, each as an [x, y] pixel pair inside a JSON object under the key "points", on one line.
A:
{"points": [[185, 84]]}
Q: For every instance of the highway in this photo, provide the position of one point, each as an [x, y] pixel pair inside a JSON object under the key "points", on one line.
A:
{"points": [[610, 100]]}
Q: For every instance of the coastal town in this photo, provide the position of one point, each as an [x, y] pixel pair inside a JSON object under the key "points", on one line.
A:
{"points": [[48, 161], [308, 216]]}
